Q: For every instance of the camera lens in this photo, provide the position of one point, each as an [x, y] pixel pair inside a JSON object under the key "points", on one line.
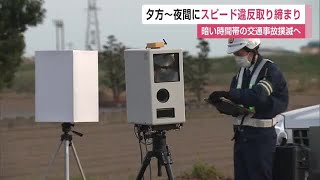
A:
{"points": [[163, 95]]}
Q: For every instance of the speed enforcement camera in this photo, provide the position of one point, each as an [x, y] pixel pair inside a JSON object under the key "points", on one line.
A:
{"points": [[66, 87], [154, 86]]}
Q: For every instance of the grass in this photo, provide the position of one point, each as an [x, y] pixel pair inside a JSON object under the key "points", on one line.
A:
{"points": [[300, 70], [203, 171], [88, 178], [132, 177], [24, 82], [77, 178]]}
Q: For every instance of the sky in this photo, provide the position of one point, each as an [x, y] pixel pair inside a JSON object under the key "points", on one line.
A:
{"points": [[122, 18]]}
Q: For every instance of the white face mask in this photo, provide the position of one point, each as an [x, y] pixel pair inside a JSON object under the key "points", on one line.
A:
{"points": [[242, 61]]}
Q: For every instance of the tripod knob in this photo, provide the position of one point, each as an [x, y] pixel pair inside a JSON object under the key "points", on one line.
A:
{"points": [[77, 133]]}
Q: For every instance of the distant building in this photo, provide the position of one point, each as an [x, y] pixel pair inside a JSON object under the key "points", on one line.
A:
{"points": [[275, 51], [312, 47]]}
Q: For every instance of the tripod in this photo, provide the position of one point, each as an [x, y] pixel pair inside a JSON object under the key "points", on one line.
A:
{"points": [[160, 150], [66, 138]]}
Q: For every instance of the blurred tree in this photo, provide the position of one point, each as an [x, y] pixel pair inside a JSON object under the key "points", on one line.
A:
{"points": [[112, 66], [196, 70], [188, 64], [15, 17]]}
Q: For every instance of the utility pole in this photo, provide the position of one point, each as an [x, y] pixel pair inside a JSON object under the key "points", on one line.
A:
{"points": [[59, 34], [92, 32]]}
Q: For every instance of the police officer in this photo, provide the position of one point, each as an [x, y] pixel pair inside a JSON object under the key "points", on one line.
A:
{"points": [[259, 87]]}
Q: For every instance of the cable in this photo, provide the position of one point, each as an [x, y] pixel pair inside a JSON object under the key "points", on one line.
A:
{"points": [[139, 140], [150, 170], [141, 155], [140, 135], [136, 133]]}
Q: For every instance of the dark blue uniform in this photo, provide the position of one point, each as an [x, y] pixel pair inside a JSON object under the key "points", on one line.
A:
{"points": [[254, 146]]}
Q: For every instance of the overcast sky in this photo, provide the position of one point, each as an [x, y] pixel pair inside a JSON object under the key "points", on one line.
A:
{"points": [[122, 18]]}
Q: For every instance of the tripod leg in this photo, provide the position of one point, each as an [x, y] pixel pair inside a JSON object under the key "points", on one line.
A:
{"points": [[159, 168], [168, 161], [169, 171], [67, 163], [78, 161], [145, 164], [52, 161]]}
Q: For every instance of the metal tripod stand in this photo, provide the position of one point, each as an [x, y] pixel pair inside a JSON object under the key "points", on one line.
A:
{"points": [[160, 150], [66, 138]]}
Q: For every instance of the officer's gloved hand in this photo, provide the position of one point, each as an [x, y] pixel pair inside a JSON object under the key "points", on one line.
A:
{"points": [[215, 96]]}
